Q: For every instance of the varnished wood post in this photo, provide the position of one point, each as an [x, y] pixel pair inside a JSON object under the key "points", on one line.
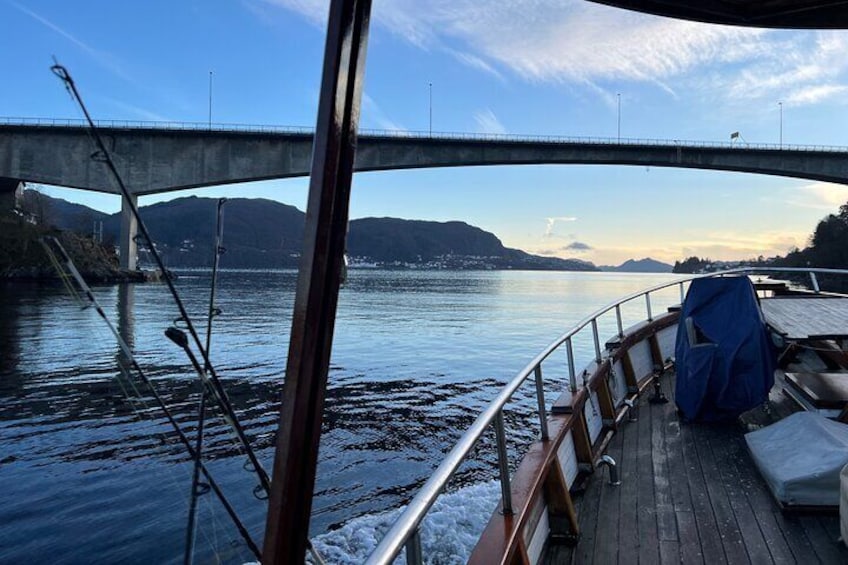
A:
{"points": [[319, 278]]}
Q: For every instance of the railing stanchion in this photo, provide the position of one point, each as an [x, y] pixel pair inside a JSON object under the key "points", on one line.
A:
{"points": [[597, 341], [618, 320], [540, 398], [815, 282], [414, 555], [682, 295], [572, 376], [648, 306], [503, 464]]}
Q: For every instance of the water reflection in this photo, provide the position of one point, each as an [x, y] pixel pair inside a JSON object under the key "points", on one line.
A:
{"points": [[9, 342], [126, 313]]}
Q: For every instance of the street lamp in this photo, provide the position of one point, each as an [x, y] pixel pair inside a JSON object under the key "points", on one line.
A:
{"points": [[619, 116], [210, 99], [430, 86], [780, 104]]}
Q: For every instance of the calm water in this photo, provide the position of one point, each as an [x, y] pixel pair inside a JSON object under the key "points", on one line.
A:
{"points": [[91, 472]]}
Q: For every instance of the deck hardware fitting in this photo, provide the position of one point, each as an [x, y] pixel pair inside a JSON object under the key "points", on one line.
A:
{"points": [[632, 410], [658, 397], [568, 540], [614, 479]]}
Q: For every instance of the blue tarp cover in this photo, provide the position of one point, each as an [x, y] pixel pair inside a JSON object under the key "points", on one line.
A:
{"points": [[724, 359]]}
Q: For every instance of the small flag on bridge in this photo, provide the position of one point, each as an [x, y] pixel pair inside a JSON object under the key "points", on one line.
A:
{"points": [[734, 135]]}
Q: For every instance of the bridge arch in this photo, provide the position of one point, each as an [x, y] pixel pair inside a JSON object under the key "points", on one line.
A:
{"points": [[154, 159]]}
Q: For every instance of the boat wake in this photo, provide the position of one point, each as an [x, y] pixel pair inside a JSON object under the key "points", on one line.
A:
{"points": [[448, 535]]}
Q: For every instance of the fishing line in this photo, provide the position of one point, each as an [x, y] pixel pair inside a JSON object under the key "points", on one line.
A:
{"points": [[161, 403], [124, 383], [197, 488], [218, 392]]}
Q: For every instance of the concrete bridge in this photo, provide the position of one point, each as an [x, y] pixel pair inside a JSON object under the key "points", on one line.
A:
{"points": [[155, 158]]}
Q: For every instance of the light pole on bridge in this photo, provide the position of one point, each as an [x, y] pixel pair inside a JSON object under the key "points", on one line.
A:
{"points": [[210, 99], [780, 105], [430, 90], [619, 116]]}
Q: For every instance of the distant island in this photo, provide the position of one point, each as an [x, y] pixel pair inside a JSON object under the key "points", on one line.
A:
{"points": [[261, 234], [646, 265]]}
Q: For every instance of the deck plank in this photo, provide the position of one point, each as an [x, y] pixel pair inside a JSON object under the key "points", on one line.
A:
{"points": [[590, 503], [628, 537], [708, 534], [825, 548], [768, 517], [718, 508], [720, 444], [728, 529], [669, 552], [666, 521], [687, 528], [606, 540], [646, 504]]}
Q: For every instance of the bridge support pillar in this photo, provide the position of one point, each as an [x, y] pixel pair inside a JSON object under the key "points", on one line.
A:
{"points": [[10, 194], [129, 228]]}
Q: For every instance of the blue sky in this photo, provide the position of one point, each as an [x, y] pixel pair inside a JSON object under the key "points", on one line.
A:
{"points": [[517, 66]]}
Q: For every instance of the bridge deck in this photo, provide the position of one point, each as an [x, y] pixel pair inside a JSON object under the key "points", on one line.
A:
{"points": [[691, 494]]}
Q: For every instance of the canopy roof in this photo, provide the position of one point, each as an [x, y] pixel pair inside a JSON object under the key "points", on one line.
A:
{"points": [[791, 14]]}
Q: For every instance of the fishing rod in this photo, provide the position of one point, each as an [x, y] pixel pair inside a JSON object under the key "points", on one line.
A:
{"points": [[125, 349], [196, 487], [218, 392]]}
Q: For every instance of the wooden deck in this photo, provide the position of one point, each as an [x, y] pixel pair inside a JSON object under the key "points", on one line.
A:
{"points": [[691, 494]]}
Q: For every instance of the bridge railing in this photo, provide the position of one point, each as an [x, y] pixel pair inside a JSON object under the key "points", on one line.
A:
{"points": [[421, 135]]}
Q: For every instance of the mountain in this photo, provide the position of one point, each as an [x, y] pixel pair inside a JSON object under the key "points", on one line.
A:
{"points": [[258, 233], [261, 233], [61, 213], [646, 265]]}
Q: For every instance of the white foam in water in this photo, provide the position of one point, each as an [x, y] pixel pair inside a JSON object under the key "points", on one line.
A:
{"points": [[448, 535]]}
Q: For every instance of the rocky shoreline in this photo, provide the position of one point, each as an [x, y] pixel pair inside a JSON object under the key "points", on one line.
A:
{"points": [[23, 258]]}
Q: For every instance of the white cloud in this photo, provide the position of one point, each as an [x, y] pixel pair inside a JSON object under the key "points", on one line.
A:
{"points": [[551, 223], [475, 62], [487, 122], [315, 11], [822, 195], [141, 113], [812, 94], [587, 44], [102, 58], [371, 112]]}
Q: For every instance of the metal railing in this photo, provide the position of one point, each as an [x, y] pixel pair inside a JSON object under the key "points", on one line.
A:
{"points": [[405, 530], [420, 135]]}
